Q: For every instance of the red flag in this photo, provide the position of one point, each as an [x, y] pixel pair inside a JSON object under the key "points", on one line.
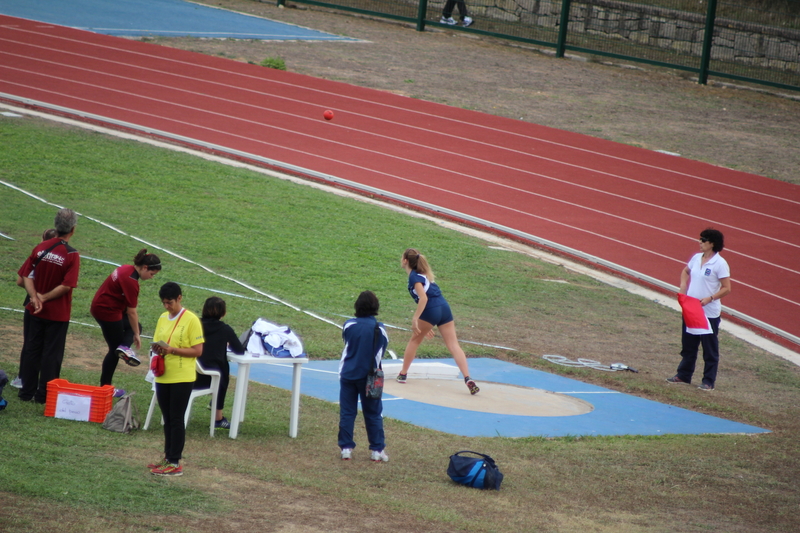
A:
{"points": [[696, 320]]}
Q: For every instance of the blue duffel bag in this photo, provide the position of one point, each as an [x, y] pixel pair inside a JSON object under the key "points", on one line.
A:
{"points": [[478, 472]]}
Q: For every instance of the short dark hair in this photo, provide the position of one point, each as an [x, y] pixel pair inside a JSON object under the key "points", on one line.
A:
{"points": [[715, 237], [214, 308], [367, 304], [169, 291]]}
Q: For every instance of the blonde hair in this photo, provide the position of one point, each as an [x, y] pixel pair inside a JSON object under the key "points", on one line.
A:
{"points": [[418, 262]]}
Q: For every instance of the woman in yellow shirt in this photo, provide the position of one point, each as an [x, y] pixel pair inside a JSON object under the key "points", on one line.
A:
{"points": [[182, 332]]}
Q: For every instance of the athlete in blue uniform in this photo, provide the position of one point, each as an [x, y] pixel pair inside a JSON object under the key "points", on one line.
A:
{"points": [[432, 310]]}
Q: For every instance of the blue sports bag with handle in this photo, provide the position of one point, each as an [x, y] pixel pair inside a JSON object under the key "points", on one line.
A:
{"points": [[479, 472]]}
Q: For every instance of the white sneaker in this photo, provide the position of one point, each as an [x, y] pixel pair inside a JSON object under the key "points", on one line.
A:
{"points": [[466, 22], [379, 456], [346, 453], [450, 21], [16, 383]]}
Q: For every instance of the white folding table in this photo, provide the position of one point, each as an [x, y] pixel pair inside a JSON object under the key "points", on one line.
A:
{"points": [[243, 378]]}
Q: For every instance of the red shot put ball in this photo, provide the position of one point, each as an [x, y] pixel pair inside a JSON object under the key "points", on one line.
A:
{"points": [[328, 115]]}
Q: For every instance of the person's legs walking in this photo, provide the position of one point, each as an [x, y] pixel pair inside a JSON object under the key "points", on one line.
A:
{"points": [[447, 12]]}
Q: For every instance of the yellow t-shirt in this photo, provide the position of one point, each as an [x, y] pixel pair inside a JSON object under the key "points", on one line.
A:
{"points": [[188, 333]]}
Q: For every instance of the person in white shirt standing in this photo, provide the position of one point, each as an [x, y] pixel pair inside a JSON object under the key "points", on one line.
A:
{"points": [[706, 277]]}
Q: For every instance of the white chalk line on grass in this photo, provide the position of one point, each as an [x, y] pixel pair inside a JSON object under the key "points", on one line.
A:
{"points": [[310, 313], [71, 321], [274, 299], [216, 291]]}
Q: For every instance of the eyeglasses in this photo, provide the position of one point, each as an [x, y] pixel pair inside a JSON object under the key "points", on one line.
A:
{"points": [[703, 239]]}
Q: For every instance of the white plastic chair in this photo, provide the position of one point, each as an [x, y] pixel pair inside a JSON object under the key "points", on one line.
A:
{"points": [[196, 393]]}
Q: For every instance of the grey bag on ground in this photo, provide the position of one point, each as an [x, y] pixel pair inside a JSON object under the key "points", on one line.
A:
{"points": [[121, 418]]}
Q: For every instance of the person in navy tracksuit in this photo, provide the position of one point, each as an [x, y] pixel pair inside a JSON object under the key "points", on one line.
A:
{"points": [[432, 310], [362, 352]]}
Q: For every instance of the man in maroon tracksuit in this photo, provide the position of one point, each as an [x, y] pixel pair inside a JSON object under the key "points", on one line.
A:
{"points": [[49, 274]]}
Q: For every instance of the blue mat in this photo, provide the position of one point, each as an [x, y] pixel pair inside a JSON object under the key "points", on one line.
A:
{"points": [[163, 18], [614, 413]]}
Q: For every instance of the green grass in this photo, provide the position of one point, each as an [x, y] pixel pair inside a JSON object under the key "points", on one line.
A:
{"points": [[318, 251], [274, 62]]}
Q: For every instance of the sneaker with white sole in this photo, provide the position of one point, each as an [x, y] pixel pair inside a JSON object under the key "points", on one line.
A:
{"points": [[379, 456], [169, 469], [472, 386], [466, 22], [401, 378], [127, 355], [347, 453], [16, 382], [450, 21]]}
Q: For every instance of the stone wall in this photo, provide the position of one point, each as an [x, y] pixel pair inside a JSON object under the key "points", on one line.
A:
{"points": [[676, 31]]}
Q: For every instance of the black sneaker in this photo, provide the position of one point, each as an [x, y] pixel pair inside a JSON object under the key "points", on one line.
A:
{"points": [[222, 424], [706, 387], [676, 379], [401, 378]]}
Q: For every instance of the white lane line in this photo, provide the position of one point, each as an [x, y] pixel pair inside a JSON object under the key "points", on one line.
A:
{"points": [[464, 124], [440, 190], [461, 138]]}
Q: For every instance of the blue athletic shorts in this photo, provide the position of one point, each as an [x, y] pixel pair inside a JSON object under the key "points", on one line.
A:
{"points": [[438, 315]]}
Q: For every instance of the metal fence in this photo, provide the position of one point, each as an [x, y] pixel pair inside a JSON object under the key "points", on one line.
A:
{"points": [[746, 40]]}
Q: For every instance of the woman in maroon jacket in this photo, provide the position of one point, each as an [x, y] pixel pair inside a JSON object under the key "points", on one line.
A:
{"points": [[114, 308]]}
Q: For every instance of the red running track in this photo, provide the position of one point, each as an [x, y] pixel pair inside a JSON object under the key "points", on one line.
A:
{"points": [[635, 211]]}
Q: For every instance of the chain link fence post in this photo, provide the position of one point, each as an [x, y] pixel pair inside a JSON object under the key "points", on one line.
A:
{"points": [[562, 30], [708, 40]]}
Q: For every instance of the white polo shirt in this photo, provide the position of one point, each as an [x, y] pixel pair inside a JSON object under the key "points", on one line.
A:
{"points": [[704, 281]]}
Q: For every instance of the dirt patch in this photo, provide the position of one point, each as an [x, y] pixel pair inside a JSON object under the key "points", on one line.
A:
{"points": [[653, 108]]}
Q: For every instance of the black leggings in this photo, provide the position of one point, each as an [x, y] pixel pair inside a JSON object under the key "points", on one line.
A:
{"points": [[204, 382], [447, 12], [173, 398], [116, 334]]}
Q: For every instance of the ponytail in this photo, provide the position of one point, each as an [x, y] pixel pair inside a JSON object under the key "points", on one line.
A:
{"points": [[151, 261], [418, 262]]}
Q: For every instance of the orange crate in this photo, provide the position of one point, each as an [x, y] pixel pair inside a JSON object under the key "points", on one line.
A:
{"points": [[102, 398]]}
